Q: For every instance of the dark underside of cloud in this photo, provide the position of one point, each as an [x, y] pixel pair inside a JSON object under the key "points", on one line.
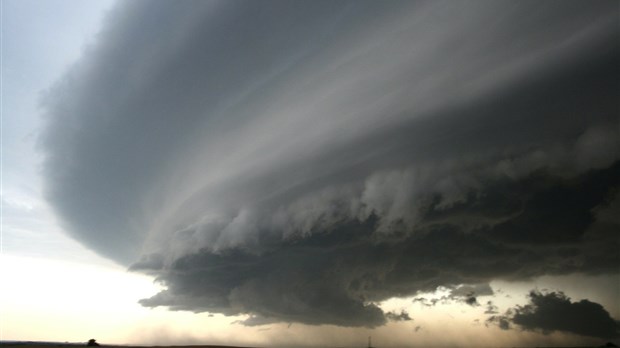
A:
{"points": [[335, 276], [553, 311], [302, 161]]}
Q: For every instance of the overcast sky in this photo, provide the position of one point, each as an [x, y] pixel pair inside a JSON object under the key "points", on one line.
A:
{"points": [[313, 172]]}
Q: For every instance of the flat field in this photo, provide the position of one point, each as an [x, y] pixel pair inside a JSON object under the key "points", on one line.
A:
{"points": [[74, 345]]}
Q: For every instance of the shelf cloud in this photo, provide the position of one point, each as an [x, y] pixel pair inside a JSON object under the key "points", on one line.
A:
{"points": [[303, 161]]}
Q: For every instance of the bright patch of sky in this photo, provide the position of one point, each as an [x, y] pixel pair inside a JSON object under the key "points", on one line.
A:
{"points": [[42, 282], [40, 40]]}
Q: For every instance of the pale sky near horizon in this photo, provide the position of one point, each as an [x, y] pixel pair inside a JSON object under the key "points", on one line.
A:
{"points": [[309, 174]]}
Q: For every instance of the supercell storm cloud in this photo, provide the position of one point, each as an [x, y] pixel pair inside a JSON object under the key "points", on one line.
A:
{"points": [[300, 161]]}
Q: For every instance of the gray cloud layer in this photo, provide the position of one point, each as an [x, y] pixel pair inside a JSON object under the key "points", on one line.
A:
{"points": [[299, 161]]}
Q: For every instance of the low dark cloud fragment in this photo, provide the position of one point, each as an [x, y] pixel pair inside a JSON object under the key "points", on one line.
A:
{"points": [[462, 293], [402, 316], [554, 311], [468, 294], [256, 320], [431, 302], [472, 301], [491, 308], [472, 290], [501, 321]]}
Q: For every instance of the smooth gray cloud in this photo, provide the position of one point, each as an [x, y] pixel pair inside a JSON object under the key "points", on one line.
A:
{"points": [[554, 311], [301, 161]]}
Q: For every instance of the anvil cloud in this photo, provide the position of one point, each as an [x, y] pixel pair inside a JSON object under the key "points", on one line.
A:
{"points": [[301, 161]]}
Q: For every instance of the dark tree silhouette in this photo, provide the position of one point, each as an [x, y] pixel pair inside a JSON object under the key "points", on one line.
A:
{"points": [[92, 343]]}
